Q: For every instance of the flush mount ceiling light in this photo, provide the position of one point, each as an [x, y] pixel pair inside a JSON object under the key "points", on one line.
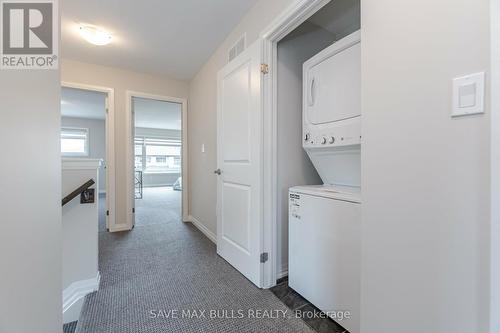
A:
{"points": [[95, 35]]}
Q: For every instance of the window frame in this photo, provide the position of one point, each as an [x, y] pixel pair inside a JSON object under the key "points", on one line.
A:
{"points": [[86, 152]]}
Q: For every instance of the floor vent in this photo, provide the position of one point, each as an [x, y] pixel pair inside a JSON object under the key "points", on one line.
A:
{"points": [[237, 48]]}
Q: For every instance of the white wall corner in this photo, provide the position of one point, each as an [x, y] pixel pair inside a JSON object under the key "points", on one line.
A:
{"points": [[79, 289], [210, 235]]}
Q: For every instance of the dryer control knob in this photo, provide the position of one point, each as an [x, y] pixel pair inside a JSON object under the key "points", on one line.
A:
{"points": [[323, 141], [332, 139]]}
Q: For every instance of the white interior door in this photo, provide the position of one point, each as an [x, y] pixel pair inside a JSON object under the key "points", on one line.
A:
{"points": [[239, 185]]}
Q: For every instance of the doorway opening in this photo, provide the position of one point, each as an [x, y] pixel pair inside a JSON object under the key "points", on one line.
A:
{"points": [[87, 132], [313, 151], [158, 191], [328, 25], [300, 33]]}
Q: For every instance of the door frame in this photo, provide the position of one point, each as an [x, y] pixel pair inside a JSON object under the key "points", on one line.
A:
{"points": [[130, 152], [110, 147], [285, 23], [495, 168]]}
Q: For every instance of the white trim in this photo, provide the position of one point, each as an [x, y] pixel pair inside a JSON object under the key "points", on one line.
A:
{"points": [[79, 289], [291, 18], [80, 163], [210, 235], [120, 227], [130, 153], [110, 146], [495, 169]]}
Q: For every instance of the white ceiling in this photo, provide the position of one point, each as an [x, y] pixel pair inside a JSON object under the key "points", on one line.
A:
{"points": [[161, 37], [150, 113], [86, 104]]}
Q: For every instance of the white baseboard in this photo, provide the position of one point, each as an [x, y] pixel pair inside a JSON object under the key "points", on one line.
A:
{"points": [[210, 235], [123, 227], [78, 290]]}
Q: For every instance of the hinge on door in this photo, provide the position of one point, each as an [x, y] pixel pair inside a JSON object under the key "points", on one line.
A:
{"points": [[264, 257], [133, 210], [264, 68], [107, 110], [107, 213]]}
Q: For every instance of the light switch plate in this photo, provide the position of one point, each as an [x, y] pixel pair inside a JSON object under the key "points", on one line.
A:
{"points": [[468, 95]]}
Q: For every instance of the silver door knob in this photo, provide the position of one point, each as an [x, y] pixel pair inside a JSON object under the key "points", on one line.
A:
{"points": [[218, 172]]}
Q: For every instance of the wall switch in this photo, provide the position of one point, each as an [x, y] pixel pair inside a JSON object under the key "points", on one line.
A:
{"points": [[468, 95], [202, 147]]}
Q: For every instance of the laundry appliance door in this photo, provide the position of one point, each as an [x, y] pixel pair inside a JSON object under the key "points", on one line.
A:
{"points": [[332, 82]]}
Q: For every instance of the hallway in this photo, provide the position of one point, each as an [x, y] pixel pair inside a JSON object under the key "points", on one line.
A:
{"points": [[164, 266]]}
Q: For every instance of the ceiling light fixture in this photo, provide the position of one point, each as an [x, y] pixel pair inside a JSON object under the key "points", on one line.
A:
{"points": [[95, 35]]}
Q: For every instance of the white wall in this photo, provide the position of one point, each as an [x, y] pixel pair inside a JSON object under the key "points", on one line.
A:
{"points": [[160, 179], [121, 81], [425, 176], [30, 202], [495, 166], [294, 166], [202, 115], [97, 141]]}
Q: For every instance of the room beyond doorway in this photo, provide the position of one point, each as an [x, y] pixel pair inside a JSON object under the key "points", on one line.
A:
{"points": [[157, 136], [87, 131]]}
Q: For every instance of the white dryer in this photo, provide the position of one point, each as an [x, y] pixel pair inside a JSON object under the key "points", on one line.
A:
{"points": [[331, 116], [325, 249]]}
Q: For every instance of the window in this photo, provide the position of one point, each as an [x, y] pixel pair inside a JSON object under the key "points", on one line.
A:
{"points": [[157, 155], [139, 154], [74, 141]]}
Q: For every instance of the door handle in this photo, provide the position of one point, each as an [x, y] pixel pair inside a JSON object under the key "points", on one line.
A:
{"points": [[311, 95], [218, 172]]}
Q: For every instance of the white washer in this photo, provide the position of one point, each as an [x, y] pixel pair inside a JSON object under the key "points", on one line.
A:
{"points": [[325, 249]]}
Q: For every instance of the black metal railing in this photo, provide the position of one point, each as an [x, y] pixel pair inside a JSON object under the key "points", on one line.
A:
{"points": [[77, 192]]}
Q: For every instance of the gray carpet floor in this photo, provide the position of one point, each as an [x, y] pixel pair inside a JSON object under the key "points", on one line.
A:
{"points": [[158, 205], [164, 267], [69, 327]]}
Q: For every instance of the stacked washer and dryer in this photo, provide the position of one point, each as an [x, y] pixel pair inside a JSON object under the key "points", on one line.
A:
{"points": [[325, 220]]}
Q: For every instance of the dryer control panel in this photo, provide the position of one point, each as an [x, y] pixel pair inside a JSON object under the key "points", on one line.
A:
{"points": [[342, 133]]}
